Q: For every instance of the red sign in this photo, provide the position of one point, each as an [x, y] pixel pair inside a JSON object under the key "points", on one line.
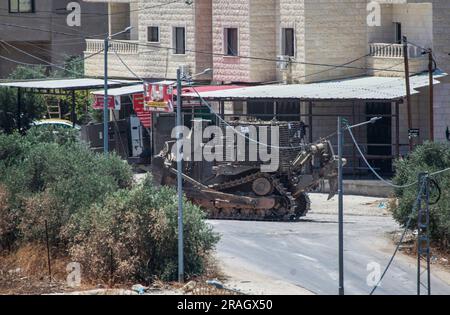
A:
{"points": [[158, 97], [113, 102], [144, 116]]}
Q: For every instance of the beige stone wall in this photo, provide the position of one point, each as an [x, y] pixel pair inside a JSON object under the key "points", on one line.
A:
{"points": [[441, 48], [385, 33], [120, 19], [292, 15], [262, 40], [441, 43], [203, 36], [417, 22], [335, 33], [158, 60], [231, 14]]}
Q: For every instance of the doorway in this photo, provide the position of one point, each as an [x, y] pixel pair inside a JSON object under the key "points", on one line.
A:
{"points": [[379, 137]]}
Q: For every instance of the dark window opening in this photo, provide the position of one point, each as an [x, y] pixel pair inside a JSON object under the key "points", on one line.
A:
{"points": [[288, 42], [231, 41], [398, 33], [180, 40], [21, 6], [153, 34]]}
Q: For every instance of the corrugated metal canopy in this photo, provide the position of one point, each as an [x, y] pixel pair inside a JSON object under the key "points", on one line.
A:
{"points": [[126, 90], [133, 89], [364, 88], [65, 84]]}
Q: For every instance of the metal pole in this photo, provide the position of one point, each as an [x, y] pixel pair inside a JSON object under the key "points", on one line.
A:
{"points": [[427, 220], [48, 251], [180, 182], [419, 241], [19, 109], [341, 206], [430, 71], [408, 88], [73, 109], [105, 99]]}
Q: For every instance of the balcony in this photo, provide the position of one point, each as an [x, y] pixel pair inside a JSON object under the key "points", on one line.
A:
{"points": [[127, 50], [391, 57], [128, 47]]}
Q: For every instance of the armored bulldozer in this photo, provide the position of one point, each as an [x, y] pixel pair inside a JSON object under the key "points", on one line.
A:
{"points": [[239, 189]]}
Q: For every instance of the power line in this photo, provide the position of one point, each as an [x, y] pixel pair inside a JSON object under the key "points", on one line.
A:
{"points": [[126, 66], [391, 260], [89, 14], [92, 14], [261, 58], [37, 29], [370, 166], [47, 63]]}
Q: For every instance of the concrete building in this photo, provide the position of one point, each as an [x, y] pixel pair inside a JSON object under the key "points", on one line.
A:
{"points": [[164, 37], [47, 31], [241, 41]]}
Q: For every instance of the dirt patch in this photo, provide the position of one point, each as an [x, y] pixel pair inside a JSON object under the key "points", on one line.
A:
{"points": [[26, 272], [353, 205]]}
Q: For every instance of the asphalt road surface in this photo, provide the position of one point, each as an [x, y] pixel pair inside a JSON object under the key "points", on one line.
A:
{"points": [[305, 253]]}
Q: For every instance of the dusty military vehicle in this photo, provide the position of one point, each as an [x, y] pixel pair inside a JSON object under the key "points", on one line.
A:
{"points": [[240, 190]]}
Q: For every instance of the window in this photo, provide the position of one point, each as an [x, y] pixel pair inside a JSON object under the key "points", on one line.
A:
{"points": [[231, 41], [153, 34], [179, 38], [288, 42], [398, 33], [21, 6]]}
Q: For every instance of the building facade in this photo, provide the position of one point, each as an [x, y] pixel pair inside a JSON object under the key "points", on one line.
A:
{"points": [[47, 31], [163, 38], [241, 41]]}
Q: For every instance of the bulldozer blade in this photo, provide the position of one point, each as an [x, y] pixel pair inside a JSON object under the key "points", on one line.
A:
{"points": [[333, 183]]}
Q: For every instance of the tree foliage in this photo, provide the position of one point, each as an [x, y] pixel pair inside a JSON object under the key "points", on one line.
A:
{"points": [[430, 157]]}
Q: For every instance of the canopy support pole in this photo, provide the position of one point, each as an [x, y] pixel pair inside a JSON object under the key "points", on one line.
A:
{"points": [[73, 116], [19, 109]]}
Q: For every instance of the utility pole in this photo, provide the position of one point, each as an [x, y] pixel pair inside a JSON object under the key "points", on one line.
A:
{"points": [[431, 92], [408, 90], [180, 181], [105, 99], [341, 205], [423, 235]]}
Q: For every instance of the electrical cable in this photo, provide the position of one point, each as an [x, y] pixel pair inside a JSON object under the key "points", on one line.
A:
{"points": [[260, 58], [92, 14], [49, 63], [370, 166], [391, 260], [126, 66]]}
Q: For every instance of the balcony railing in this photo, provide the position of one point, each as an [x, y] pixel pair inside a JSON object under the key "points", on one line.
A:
{"points": [[385, 50], [121, 47]]}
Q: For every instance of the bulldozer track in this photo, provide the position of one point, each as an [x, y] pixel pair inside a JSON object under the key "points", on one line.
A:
{"points": [[290, 212]]}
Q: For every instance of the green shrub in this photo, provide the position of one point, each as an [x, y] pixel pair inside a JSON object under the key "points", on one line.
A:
{"points": [[48, 166], [430, 157], [117, 231], [133, 235]]}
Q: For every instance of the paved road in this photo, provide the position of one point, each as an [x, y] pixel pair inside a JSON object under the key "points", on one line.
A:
{"points": [[305, 253]]}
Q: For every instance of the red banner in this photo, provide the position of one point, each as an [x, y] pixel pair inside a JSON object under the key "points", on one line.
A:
{"points": [[158, 98], [144, 116], [113, 102]]}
